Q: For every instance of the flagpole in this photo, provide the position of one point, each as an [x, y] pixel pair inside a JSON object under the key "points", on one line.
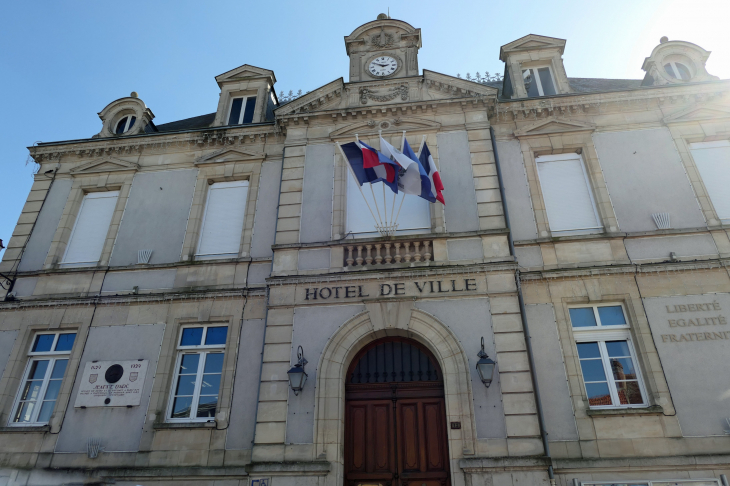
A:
{"points": [[347, 163], [401, 205], [385, 205], [392, 208], [403, 141], [420, 149]]}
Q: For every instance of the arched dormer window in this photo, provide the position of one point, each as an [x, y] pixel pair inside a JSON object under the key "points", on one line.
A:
{"points": [[673, 62]]}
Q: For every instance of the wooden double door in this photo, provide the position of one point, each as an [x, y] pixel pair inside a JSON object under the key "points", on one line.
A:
{"points": [[395, 430]]}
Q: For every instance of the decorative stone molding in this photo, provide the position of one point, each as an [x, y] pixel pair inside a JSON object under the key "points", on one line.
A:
{"points": [[553, 126], [118, 109], [106, 164], [245, 72], [313, 100], [373, 126], [208, 138], [457, 87], [700, 112], [230, 155], [377, 95]]}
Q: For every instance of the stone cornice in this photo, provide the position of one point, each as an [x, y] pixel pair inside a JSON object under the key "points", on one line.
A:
{"points": [[591, 103], [637, 269], [207, 138], [402, 273], [132, 299]]}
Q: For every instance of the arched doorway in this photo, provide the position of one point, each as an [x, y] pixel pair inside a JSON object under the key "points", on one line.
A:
{"points": [[395, 417]]}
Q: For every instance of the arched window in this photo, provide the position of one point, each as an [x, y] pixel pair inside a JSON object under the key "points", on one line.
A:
{"points": [[125, 124], [393, 360], [677, 70]]}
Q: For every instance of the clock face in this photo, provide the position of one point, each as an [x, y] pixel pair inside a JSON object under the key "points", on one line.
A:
{"points": [[383, 66]]}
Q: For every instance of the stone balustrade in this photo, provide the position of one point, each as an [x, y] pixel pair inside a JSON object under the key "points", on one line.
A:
{"points": [[388, 253]]}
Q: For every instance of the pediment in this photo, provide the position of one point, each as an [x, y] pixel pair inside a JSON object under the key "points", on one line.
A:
{"points": [[230, 155], [389, 125], [245, 72], [106, 164], [699, 112], [553, 125], [325, 96], [453, 87], [530, 42]]}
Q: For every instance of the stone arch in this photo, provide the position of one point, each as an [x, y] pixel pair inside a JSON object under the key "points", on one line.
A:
{"points": [[384, 319]]}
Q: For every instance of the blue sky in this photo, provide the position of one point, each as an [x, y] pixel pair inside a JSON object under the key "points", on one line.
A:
{"points": [[62, 62]]}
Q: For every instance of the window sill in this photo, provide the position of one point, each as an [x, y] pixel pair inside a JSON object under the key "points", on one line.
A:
{"points": [[607, 412], [184, 425], [26, 429]]}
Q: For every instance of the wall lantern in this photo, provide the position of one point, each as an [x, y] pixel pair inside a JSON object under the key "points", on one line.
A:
{"points": [[485, 367], [297, 376]]}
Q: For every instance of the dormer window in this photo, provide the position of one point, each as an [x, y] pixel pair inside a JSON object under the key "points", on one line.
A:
{"points": [[125, 124], [242, 109], [538, 82], [677, 70]]}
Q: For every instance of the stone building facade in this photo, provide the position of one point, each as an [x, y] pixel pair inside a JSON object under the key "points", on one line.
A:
{"points": [[163, 279]]}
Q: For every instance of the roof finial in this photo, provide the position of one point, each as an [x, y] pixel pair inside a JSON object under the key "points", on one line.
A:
{"points": [[664, 39], [382, 16]]}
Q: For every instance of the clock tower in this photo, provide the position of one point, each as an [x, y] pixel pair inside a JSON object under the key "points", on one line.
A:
{"points": [[383, 49]]}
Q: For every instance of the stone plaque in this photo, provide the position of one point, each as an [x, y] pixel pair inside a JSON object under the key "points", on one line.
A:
{"points": [[112, 384]]}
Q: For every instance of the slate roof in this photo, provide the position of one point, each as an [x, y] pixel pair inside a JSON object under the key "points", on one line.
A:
{"points": [[588, 85], [201, 121]]}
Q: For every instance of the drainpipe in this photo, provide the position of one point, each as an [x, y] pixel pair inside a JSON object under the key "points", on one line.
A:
{"points": [[523, 315], [266, 317]]}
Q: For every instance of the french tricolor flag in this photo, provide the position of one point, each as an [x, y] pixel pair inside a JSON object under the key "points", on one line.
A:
{"points": [[384, 168], [370, 166], [433, 174]]}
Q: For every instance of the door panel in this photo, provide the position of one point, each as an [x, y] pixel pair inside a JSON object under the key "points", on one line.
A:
{"points": [[369, 442], [422, 443], [408, 418]]}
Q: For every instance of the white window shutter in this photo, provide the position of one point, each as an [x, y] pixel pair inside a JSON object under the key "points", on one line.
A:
{"points": [[568, 198], [225, 210], [414, 216], [713, 163], [91, 227]]}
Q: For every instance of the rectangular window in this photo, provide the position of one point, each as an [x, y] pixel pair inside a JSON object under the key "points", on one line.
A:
{"points": [[48, 358], [242, 110], [198, 370], [567, 194], [225, 209], [538, 82], [414, 217], [607, 357], [91, 228], [713, 163]]}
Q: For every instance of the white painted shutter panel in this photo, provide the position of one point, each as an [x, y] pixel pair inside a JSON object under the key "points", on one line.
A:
{"points": [[713, 162], [223, 220], [92, 225], [568, 198]]}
